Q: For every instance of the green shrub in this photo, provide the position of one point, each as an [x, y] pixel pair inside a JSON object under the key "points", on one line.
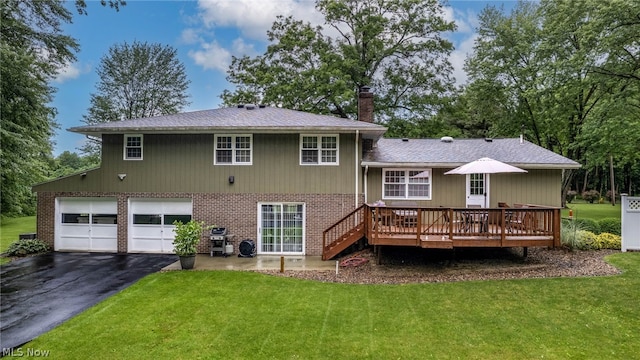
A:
{"points": [[571, 194], [27, 247], [568, 234], [591, 196], [585, 240], [611, 226], [589, 225], [608, 241]]}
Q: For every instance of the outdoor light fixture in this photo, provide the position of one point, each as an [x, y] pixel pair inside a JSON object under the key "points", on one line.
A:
{"points": [[232, 179], [122, 176]]}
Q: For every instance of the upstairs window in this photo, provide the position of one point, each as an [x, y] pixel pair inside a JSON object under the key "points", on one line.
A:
{"points": [[133, 147], [406, 184], [233, 149], [319, 149]]}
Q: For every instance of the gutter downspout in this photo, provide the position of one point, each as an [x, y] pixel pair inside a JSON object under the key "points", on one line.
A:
{"points": [[366, 180], [356, 168]]}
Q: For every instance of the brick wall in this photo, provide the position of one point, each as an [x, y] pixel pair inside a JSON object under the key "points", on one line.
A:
{"points": [[237, 212]]}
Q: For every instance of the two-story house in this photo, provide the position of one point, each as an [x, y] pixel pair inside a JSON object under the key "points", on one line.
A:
{"points": [[278, 176]]}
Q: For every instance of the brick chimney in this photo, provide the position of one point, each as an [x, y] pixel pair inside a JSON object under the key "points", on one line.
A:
{"points": [[365, 104]]}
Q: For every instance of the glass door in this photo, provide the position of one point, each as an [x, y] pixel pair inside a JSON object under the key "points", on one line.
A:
{"points": [[281, 228], [477, 190]]}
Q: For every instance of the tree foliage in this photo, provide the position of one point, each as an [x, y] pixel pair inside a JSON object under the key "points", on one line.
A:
{"points": [[33, 49], [394, 46], [566, 71], [137, 80]]}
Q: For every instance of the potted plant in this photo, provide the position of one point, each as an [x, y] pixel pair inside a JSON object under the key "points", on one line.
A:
{"points": [[186, 241]]}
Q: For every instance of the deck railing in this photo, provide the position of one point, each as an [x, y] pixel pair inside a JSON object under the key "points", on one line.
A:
{"points": [[344, 232], [442, 227], [504, 224]]}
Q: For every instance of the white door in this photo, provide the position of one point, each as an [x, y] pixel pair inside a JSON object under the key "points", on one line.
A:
{"points": [[151, 223], [477, 190], [86, 224], [281, 228]]}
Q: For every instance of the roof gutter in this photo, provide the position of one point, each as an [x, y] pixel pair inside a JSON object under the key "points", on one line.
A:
{"points": [[375, 164]]}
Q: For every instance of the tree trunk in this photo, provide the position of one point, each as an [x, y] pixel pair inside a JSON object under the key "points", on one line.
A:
{"points": [[613, 188], [567, 178]]}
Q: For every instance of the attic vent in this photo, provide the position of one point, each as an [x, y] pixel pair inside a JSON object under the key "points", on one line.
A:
{"points": [[446, 139], [250, 107], [488, 139], [405, 140]]}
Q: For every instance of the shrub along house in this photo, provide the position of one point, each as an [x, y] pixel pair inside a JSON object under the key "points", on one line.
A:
{"points": [[295, 182]]}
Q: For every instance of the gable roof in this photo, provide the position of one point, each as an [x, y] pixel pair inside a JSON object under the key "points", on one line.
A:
{"points": [[247, 119], [437, 153]]}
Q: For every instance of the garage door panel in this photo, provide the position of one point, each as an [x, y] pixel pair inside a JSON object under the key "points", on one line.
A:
{"points": [[77, 243], [151, 220], [86, 224], [103, 244]]}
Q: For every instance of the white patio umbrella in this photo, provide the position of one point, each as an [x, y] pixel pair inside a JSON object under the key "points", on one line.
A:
{"points": [[485, 166]]}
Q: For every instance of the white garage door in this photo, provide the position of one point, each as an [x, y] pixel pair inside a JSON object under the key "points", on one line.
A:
{"points": [[151, 223], [86, 224]]}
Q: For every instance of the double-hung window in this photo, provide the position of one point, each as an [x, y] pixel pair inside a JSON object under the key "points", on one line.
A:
{"points": [[133, 147], [233, 150], [319, 149], [406, 184]]}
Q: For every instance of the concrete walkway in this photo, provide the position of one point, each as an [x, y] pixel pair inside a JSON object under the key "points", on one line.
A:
{"points": [[260, 262]]}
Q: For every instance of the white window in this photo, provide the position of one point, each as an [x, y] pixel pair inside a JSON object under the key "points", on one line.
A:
{"points": [[233, 150], [133, 147], [319, 149], [406, 184]]}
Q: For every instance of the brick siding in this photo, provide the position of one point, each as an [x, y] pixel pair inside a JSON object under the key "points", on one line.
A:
{"points": [[236, 212]]}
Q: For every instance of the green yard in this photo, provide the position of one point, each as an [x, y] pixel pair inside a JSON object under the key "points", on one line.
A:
{"points": [[596, 211], [11, 228], [242, 315]]}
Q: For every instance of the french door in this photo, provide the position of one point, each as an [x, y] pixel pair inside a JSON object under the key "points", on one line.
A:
{"points": [[281, 228], [477, 190]]}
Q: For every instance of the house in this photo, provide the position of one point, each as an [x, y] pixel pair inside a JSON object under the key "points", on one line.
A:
{"points": [[278, 176]]}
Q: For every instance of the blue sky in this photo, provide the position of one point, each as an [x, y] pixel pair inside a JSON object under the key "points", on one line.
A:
{"points": [[206, 34]]}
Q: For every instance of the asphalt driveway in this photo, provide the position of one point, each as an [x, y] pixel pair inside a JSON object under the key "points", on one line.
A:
{"points": [[41, 292]]}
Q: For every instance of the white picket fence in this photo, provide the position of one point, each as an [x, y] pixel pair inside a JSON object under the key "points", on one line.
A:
{"points": [[630, 223]]}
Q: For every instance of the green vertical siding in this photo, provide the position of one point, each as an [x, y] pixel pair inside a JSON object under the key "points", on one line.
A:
{"points": [[184, 163], [535, 187]]}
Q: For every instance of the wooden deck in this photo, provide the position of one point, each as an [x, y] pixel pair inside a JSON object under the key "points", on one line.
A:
{"points": [[445, 228]]}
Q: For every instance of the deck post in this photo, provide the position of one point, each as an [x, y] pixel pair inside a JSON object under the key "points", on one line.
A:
{"points": [[503, 226], [418, 225], [556, 228], [450, 224]]}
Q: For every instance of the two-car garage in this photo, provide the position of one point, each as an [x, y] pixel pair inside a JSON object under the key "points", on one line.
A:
{"points": [[91, 224]]}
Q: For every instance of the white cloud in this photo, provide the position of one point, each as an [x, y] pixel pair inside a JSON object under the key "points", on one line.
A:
{"points": [[459, 55], [190, 36], [212, 56], [70, 72], [253, 17]]}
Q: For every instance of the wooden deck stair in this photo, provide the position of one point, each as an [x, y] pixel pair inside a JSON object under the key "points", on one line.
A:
{"points": [[346, 232]]}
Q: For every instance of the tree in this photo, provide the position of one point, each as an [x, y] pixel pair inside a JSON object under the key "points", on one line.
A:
{"points": [[546, 59], [33, 49], [394, 46], [68, 163], [136, 81]]}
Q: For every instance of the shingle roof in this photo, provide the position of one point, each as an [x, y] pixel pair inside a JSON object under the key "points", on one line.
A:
{"points": [[436, 153], [255, 120]]}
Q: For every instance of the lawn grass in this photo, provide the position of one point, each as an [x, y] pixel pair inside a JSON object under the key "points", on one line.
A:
{"points": [[584, 210], [244, 315], [11, 228]]}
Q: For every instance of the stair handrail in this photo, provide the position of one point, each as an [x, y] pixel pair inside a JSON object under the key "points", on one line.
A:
{"points": [[337, 223]]}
